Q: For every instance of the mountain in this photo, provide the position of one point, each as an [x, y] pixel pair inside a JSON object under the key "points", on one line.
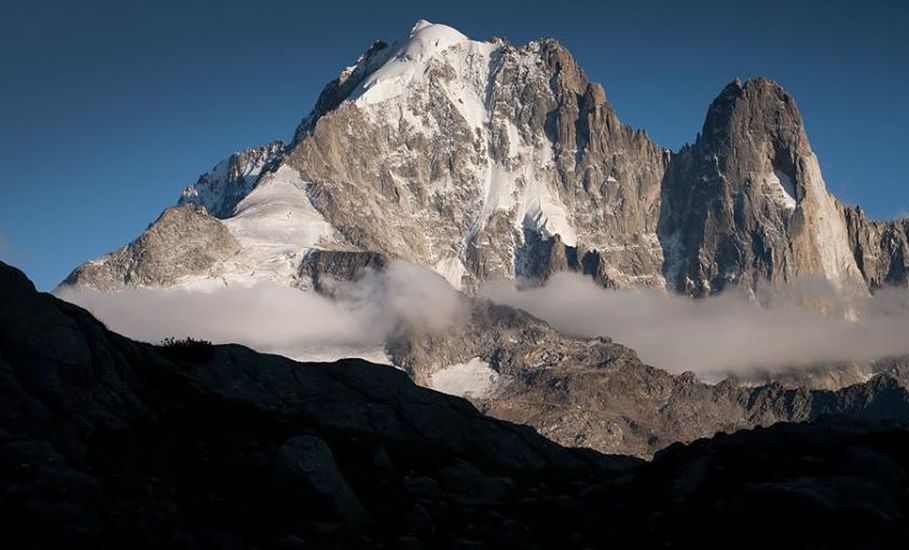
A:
{"points": [[475, 159], [107, 442], [481, 159]]}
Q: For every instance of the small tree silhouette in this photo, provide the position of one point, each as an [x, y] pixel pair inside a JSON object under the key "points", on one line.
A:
{"points": [[186, 349]]}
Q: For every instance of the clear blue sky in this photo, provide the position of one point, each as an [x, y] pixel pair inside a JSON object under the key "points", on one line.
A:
{"points": [[108, 109]]}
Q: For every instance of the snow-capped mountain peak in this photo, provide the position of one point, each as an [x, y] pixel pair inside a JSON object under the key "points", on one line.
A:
{"points": [[409, 60], [482, 160]]}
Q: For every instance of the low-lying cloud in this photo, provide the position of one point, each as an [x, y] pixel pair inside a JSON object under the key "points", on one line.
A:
{"points": [[278, 319], [729, 332]]}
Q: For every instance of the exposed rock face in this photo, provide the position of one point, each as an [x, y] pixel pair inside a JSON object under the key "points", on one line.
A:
{"points": [[830, 376], [747, 203], [183, 241], [320, 267], [638, 409], [881, 249], [448, 149], [596, 393], [512, 342], [107, 442]]}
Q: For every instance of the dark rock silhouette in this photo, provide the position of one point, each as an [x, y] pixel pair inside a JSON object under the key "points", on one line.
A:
{"points": [[110, 443]]}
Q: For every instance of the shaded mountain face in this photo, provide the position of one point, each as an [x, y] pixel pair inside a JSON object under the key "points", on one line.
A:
{"points": [[108, 442]]}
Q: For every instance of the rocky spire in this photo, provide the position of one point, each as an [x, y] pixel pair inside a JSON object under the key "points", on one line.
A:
{"points": [[747, 202]]}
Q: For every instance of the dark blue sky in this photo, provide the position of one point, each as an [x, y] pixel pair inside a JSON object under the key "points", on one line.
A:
{"points": [[108, 109]]}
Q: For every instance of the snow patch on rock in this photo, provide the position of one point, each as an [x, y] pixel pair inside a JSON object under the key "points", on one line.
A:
{"points": [[452, 269], [781, 189], [471, 379]]}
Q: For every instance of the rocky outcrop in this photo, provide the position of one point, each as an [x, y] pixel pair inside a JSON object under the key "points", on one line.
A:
{"points": [[634, 409], [881, 249], [183, 241], [828, 376], [512, 342], [598, 394], [320, 268]]}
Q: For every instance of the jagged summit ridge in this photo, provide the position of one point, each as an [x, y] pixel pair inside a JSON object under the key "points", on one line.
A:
{"points": [[220, 190]]}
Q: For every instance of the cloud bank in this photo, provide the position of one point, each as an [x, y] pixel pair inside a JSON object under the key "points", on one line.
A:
{"points": [[727, 333], [277, 319]]}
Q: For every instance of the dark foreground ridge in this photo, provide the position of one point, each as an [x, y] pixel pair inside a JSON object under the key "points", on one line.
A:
{"points": [[110, 443]]}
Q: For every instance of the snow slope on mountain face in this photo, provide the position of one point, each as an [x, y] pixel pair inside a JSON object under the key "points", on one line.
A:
{"points": [[275, 225], [409, 60], [468, 69], [414, 62], [279, 212]]}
